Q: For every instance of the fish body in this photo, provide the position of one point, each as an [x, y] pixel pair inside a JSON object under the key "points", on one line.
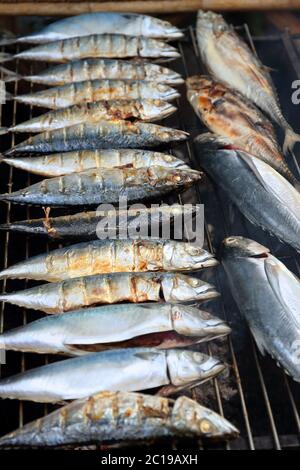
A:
{"points": [[143, 110], [79, 332], [97, 90], [270, 303], [262, 195], [237, 121], [130, 24], [105, 134], [125, 370], [104, 186], [73, 294], [85, 225], [115, 416], [104, 69], [109, 256], [229, 60], [98, 46], [75, 162]]}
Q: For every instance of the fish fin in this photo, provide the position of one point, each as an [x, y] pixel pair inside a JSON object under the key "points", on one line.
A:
{"points": [[5, 57], [290, 139]]}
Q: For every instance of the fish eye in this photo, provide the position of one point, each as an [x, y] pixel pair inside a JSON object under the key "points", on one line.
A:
{"points": [[205, 426], [230, 240]]}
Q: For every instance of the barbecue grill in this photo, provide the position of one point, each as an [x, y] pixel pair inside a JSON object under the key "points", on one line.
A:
{"points": [[255, 395]]}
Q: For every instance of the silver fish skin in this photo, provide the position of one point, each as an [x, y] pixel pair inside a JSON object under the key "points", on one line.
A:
{"points": [[143, 110], [104, 69], [98, 46], [91, 91], [93, 420], [82, 331], [229, 59], [85, 225], [75, 162], [123, 370], [106, 134], [270, 303], [131, 24], [263, 196], [72, 294], [104, 186], [108, 256]]}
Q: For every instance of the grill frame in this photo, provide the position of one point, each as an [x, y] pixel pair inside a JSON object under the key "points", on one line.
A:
{"points": [[244, 418]]}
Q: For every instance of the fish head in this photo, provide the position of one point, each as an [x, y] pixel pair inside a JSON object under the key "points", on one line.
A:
{"points": [[154, 109], [199, 83], [182, 288], [241, 247], [166, 75], [155, 48], [187, 256], [187, 414], [210, 23], [157, 28], [190, 321], [168, 161], [188, 368], [173, 177]]}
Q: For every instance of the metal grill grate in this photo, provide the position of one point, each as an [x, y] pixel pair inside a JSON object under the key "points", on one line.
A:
{"points": [[263, 402]]}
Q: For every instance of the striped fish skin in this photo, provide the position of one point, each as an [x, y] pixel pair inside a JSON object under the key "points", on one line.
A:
{"points": [[263, 196], [104, 186], [84, 224], [105, 69], [130, 24], [139, 417], [104, 289], [127, 370], [102, 135], [237, 121], [108, 256], [74, 162], [94, 329], [97, 90], [143, 110], [229, 59], [270, 303], [99, 46]]}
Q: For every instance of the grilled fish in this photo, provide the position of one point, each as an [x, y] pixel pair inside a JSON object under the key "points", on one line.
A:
{"points": [[96, 46], [270, 303], [143, 110], [104, 186], [97, 90], [112, 416], [85, 225], [262, 195], [125, 370], [94, 329], [239, 123], [99, 69], [75, 162], [81, 292], [108, 256], [104, 134], [230, 60], [102, 23]]}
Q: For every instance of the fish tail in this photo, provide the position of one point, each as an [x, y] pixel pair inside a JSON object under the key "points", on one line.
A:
{"points": [[7, 38], [290, 140], [3, 130], [9, 75], [5, 57]]}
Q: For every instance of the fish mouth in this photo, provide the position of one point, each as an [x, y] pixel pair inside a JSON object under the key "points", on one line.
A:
{"points": [[173, 33], [169, 51], [244, 247]]}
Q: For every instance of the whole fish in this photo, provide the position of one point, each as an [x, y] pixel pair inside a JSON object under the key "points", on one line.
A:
{"points": [[105, 417], [86, 225], [94, 329], [108, 256], [104, 186], [143, 110], [96, 46], [97, 90], [100, 69], [81, 292], [75, 162], [123, 370], [102, 23], [270, 302], [262, 195], [103, 134], [239, 123], [230, 60]]}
